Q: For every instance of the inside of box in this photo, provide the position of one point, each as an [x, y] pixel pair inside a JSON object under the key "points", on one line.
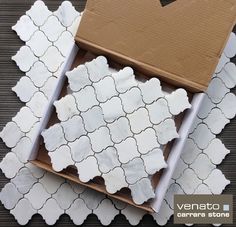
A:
{"points": [[43, 160]]}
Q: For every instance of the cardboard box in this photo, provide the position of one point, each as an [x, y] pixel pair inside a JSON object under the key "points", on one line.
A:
{"points": [[180, 44]]}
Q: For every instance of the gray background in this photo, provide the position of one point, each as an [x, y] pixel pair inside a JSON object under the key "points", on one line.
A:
{"points": [[10, 12]]}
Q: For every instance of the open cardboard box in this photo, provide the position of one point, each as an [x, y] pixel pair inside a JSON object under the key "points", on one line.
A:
{"points": [[179, 43]]}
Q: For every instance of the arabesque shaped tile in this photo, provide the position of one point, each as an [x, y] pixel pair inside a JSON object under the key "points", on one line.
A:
{"points": [[65, 196], [23, 211], [166, 131], [120, 130], [82, 167], [139, 120], [146, 140], [35, 171], [93, 118], [32, 134], [230, 48], [37, 196], [178, 101], [132, 100], [38, 74], [202, 166], [202, 136], [142, 191], [107, 159], [105, 89], [53, 28], [216, 181], [78, 211], [24, 58], [107, 207], [10, 165], [39, 48], [179, 169], [114, 180], [203, 189], [112, 109], [151, 90], [66, 13], [78, 78], [24, 28], [52, 59], [154, 161], [85, 98], [74, 27], [227, 75], [159, 111], [134, 170], [227, 105], [216, 151], [81, 148], [49, 86], [61, 158], [10, 196], [127, 150], [24, 180], [206, 107], [216, 121], [222, 62], [51, 211], [11, 134], [173, 189], [73, 128], [53, 137], [39, 13], [25, 89]]}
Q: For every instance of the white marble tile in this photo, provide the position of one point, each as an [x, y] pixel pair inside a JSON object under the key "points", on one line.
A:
{"points": [[73, 128], [216, 151], [10, 196], [112, 109], [134, 170], [35, 171], [166, 131], [100, 139], [77, 188], [66, 13], [202, 189], [39, 74], [39, 13], [51, 211], [78, 211], [11, 134], [230, 48], [227, 75], [127, 150], [222, 62], [146, 140], [139, 120], [85, 98], [65, 196], [82, 167], [158, 111], [24, 58], [23, 211], [93, 118], [173, 189], [24, 28], [216, 181], [120, 130], [179, 170], [115, 180], [61, 158], [37, 196], [206, 107], [105, 89], [78, 78], [53, 137], [107, 159], [81, 148], [142, 191], [48, 87], [25, 89], [228, 105], [106, 207], [151, 90], [154, 161], [202, 166], [39, 48], [132, 100], [10, 165], [74, 27]]}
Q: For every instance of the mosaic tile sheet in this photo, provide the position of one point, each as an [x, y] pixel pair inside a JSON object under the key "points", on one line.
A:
{"points": [[78, 202]]}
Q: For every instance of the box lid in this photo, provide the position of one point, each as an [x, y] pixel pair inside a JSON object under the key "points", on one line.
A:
{"points": [[181, 43]]}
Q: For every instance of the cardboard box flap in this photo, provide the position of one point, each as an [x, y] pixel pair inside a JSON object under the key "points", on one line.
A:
{"points": [[181, 42]]}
